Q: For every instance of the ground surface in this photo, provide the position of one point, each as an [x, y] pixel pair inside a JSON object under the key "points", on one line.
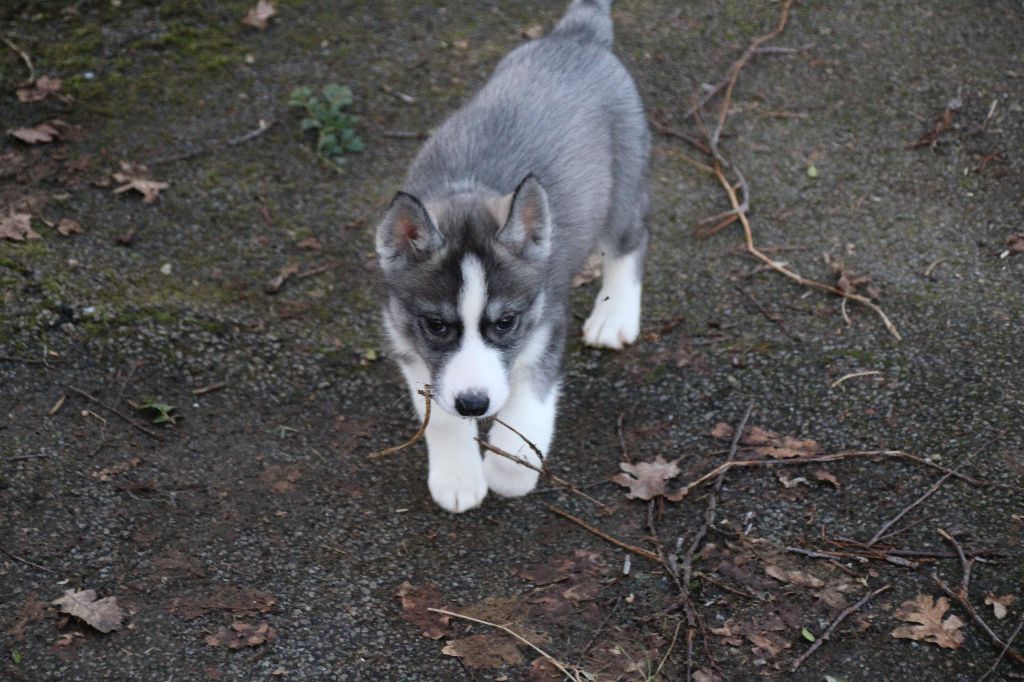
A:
{"points": [[264, 486]]}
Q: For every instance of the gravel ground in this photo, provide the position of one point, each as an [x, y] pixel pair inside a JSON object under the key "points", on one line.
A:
{"points": [[260, 505]]}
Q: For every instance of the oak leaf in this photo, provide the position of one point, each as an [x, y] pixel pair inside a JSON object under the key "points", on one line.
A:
{"points": [[17, 227], [487, 650], [999, 605], [132, 177], [416, 600], [928, 612], [241, 635], [44, 87], [259, 16], [44, 132], [103, 614], [646, 480], [767, 443]]}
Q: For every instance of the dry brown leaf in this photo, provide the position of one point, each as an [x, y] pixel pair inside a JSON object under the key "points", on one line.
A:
{"points": [[705, 675], [17, 227], [259, 16], [44, 87], [646, 480], [107, 473], [591, 271], [310, 244], [487, 650], [286, 273], [132, 177], [1015, 243], [767, 443], [416, 599], [798, 578], [928, 612], [999, 605], [103, 614], [532, 32], [242, 635], [69, 226], [42, 133], [239, 601], [824, 476]]}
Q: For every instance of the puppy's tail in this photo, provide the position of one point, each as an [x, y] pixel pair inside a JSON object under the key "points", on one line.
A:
{"points": [[588, 21]]}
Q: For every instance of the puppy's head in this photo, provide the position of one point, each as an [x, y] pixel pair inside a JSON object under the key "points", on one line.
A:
{"points": [[465, 280]]}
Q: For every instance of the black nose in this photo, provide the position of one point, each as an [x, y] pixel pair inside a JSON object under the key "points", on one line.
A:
{"points": [[471, 404]]}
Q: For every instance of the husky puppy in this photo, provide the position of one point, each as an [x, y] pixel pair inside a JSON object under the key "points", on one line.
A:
{"points": [[500, 209]]}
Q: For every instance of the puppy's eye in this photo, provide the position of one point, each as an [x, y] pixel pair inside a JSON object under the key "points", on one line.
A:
{"points": [[435, 326], [505, 324]]}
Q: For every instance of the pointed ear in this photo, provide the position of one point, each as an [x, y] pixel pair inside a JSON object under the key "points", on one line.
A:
{"points": [[528, 228], [406, 234]]}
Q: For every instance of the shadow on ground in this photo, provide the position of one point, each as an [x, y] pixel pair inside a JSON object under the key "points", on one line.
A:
{"points": [[260, 506]]}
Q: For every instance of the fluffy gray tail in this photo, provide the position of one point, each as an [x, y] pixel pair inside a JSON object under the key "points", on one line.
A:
{"points": [[589, 21]]}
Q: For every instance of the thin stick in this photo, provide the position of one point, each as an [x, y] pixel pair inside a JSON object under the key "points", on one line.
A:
{"points": [[996, 641], [25, 361], [601, 534], [416, 436], [21, 458], [906, 510], [712, 508], [622, 438], [208, 389], [965, 564], [28, 563], [263, 127], [1002, 653], [853, 375], [551, 659], [543, 471], [122, 415], [24, 57], [536, 450], [799, 279], [831, 628], [671, 646], [796, 461]]}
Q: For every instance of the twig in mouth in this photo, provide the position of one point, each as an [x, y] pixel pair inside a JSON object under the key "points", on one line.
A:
{"points": [[543, 471], [562, 667], [425, 392], [831, 628]]}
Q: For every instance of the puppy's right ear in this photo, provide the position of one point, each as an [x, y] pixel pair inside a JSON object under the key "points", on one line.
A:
{"points": [[406, 234]]}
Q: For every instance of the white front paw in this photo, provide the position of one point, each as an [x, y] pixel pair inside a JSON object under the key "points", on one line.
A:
{"points": [[614, 323], [507, 478], [457, 491]]}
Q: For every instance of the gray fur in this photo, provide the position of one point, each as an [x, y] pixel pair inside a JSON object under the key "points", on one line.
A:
{"points": [[564, 109]]}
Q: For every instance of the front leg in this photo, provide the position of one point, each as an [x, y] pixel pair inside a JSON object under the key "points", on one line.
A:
{"points": [[456, 479], [532, 415]]}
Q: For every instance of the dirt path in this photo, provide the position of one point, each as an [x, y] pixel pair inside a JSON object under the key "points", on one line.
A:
{"points": [[259, 505]]}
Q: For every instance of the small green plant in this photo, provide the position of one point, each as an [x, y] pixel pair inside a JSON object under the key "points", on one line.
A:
{"points": [[336, 133], [159, 413]]}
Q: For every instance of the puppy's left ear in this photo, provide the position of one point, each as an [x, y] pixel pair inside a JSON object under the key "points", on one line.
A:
{"points": [[528, 228]]}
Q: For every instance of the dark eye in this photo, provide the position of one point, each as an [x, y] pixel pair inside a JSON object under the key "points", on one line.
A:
{"points": [[505, 324], [435, 326]]}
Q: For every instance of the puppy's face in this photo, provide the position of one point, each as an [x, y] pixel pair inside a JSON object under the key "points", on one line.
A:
{"points": [[465, 290]]}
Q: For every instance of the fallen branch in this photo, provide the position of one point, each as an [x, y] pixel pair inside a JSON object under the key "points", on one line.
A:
{"points": [[906, 510], [831, 628], [1002, 653], [28, 563], [416, 436], [263, 127], [962, 595], [563, 668], [122, 415], [24, 57], [601, 534]]}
